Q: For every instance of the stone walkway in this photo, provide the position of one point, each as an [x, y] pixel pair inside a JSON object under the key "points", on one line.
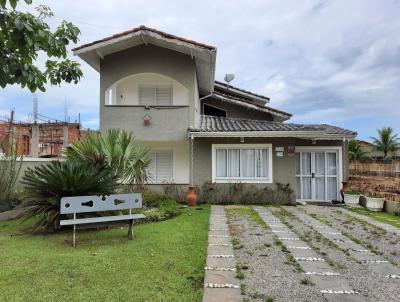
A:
{"points": [[220, 283], [331, 284], [385, 226], [376, 263]]}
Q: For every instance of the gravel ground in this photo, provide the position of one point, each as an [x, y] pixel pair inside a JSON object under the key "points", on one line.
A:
{"points": [[388, 244], [371, 285], [268, 273]]}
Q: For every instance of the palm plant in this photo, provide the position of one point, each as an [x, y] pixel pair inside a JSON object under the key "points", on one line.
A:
{"points": [[118, 150], [355, 151], [387, 142], [46, 184]]}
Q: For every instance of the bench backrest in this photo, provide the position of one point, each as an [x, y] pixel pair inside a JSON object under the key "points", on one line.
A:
{"points": [[95, 203]]}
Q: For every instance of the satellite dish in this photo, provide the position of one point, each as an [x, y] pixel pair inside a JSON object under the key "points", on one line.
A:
{"points": [[229, 77]]}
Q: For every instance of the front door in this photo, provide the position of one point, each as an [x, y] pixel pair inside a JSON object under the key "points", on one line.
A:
{"points": [[317, 175]]}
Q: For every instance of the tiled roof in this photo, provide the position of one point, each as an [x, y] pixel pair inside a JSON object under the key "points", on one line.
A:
{"points": [[249, 103], [222, 124], [236, 90], [145, 28]]}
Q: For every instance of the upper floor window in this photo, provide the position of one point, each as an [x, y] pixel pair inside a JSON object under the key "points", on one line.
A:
{"points": [[155, 95]]}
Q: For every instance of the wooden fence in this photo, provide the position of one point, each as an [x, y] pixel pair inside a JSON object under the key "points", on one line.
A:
{"points": [[375, 168]]}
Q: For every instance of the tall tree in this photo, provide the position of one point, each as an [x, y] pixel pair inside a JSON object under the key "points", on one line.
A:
{"points": [[23, 36], [355, 151], [386, 142]]}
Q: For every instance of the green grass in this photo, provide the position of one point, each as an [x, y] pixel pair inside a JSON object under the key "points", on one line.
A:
{"points": [[165, 262], [379, 216]]}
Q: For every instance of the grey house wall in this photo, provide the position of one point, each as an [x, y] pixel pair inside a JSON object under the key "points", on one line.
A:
{"points": [[167, 124], [284, 168], [235, 111]]}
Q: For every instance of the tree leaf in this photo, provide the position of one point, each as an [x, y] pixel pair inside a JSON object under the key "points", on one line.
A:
{"points": [[13, 3]]}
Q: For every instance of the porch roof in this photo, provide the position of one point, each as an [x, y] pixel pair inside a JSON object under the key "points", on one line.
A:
{"points": [[225, 127]]}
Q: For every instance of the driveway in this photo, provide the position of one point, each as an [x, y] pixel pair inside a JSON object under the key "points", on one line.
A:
{"points": [[312, 253]]}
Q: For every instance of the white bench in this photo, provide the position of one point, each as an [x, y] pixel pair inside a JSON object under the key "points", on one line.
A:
{"points": [[105, 203]]}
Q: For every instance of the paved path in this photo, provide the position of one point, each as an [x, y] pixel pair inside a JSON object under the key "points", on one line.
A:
{"points": [[375, 263], [220, 283], [385, 226], [333, 286]]}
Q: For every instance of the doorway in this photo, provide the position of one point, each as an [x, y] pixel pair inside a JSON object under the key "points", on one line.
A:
{"points": [[318, 174]]}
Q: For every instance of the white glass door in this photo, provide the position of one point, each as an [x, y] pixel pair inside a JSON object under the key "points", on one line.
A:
{"points": [[317, 175]]}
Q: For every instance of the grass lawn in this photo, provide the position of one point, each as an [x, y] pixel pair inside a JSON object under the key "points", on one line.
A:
{"points": [[165, 262], [379, 216]]}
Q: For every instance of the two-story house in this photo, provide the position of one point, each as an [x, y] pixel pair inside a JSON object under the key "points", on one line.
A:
{"points": [[162, 88]]}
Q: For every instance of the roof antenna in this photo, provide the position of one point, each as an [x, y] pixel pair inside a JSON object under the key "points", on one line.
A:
{"points": [[228, 79]]}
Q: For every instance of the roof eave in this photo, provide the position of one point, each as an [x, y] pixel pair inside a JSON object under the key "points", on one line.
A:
{"points": [[317, 135], [283, 116], [205, 57], [243, 92]]}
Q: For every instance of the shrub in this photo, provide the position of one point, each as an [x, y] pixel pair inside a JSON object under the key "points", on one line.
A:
{"points": [[177, 192], [151, 199], [167, 208], [238, 193], [118, 150], [47, 184], [10, 167]]}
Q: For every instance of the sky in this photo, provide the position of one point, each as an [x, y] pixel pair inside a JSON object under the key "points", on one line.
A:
{"points": [[335, 62]]}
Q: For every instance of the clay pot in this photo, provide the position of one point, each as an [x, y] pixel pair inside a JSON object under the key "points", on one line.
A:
{"points": [[191, 196]]}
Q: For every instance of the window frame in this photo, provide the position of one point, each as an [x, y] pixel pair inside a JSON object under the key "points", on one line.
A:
{"points": [[155, 87], [155, 181], [215, 147]]}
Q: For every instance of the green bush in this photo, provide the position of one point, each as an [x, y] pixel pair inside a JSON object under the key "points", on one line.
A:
{"points": [[239, 193], [10, 167], [167, 208], [45, 185], [151, 199], [119, 150]]}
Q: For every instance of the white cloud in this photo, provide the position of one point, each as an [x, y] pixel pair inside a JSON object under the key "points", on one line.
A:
{"points": [[321, 60]]}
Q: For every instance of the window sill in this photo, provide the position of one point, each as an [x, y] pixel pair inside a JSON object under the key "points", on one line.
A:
{"points": [[245, 181]]}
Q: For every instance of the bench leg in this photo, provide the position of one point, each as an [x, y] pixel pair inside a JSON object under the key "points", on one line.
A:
{"points": [[130, 230], [73, 236]]}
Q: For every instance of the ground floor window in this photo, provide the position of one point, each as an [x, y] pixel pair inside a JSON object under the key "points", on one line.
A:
{"points": [[160, 169], [245, 163]]}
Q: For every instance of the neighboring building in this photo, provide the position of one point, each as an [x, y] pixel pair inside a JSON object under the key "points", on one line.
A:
{"points": [[162, 88], [373, 153], [40, 139]]}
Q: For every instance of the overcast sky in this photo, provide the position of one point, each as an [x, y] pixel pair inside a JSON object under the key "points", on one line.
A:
{"points": [[335, 62]]}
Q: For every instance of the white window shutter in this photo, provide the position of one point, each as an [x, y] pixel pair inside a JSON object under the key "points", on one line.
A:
{"points": [[160, 168], [152, 168], [147, 95], [164, 95], [164, 166]]}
